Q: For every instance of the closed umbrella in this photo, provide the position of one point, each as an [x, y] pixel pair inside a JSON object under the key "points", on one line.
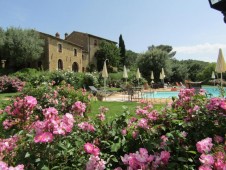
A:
{"points": [[138, 75], [213, 77], [163, 75], [152, 75], [125, 75], [220, 66], [105, 74]]}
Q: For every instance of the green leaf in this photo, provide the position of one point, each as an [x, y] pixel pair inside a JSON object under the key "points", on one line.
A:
{"points": [[193, 152], [37, 160], [190, 160], [115, 147], [169, 135], [181, 159], [114, 159], [62, 146], [27, 155], [44, 168]]}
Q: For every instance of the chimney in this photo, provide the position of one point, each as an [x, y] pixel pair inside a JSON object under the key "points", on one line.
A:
{"points": [[65, 35], [57, 35]]}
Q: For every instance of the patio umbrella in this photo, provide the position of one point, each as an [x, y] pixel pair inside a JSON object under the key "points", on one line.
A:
{"points": [[125, 75], [105, 74], [220, 66], [163, 75], [138, 75], [213, 77], [152, 75]]}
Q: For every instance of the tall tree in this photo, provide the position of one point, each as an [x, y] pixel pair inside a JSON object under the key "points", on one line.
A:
{"points": [[122, 49], [154, 60], [179, 71], [107, 51], [2, 41], [22, 46], [131, 58], [194, 68]]}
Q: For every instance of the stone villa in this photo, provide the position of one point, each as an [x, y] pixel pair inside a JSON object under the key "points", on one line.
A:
{"points": [[75, 52]]}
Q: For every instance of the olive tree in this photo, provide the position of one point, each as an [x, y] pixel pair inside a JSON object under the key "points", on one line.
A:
{"points": [[22, 46]]}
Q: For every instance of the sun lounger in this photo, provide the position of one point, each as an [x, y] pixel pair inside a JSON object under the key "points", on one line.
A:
{"points": [[94, 90]]}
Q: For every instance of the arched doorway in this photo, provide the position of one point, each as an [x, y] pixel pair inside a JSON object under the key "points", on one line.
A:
{"points": [[60, 64], [75, 67]]}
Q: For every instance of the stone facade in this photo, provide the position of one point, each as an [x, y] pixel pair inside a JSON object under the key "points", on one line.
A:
{"points": [[60, 54], [90, 44], [74, 53]]}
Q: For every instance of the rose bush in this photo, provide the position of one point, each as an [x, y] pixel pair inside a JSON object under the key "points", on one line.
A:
{"points": [[41, 135], [11, 84]]}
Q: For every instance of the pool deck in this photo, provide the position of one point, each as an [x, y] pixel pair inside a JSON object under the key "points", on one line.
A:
{"points": [[123, 97]]}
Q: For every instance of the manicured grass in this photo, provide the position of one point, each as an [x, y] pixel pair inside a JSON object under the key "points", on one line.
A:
{"points": [[116, 108], [5, 98]]}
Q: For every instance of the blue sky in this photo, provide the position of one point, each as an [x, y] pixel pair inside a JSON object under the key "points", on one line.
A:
{"points": [[191, 27]]}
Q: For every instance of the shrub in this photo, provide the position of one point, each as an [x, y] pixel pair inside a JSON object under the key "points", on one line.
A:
{"points": [[10, 84], [52, 138], [61, 97], [26, 74], [90, 80], [69, 77]]}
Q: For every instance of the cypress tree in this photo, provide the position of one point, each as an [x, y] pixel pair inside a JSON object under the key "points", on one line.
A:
{"points": [[122, 49]]}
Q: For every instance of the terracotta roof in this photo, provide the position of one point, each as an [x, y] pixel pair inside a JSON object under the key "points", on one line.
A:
{"points": [[59, 39], [91, 36]]}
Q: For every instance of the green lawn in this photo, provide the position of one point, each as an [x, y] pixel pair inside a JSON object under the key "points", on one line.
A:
{"points": [[5, 98], [116, 108]]}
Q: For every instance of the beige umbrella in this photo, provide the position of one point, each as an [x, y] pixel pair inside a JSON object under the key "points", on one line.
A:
{"points": [[163, 75], [125, 75], [105, 71], [138, 75], [213, 77], [220, 66], [152, 75], [105, 74]]}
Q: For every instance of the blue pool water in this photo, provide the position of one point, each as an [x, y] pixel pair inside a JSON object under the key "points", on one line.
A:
{"points": [[213, 91]]}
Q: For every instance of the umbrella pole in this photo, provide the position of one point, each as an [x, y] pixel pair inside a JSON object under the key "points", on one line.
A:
{"points": [[221, 79]]}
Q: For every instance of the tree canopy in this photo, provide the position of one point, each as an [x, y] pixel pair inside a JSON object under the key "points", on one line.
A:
{"points": [[21, 46], [107, 51], [154, 60], [131, 58]]}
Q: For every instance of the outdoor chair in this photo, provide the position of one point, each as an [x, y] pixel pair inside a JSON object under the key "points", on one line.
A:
{"points": [[94, 90]]}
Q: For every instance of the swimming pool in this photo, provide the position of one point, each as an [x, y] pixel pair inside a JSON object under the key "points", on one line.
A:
{"points": [[213, 91]]}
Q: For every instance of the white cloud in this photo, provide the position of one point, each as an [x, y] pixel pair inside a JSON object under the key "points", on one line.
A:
{"points": [[205, 52]]}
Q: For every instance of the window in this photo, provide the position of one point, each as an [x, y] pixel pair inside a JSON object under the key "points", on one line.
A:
{"points": [[95, 42], [59, 46], [75, 52], [60, 64]]}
